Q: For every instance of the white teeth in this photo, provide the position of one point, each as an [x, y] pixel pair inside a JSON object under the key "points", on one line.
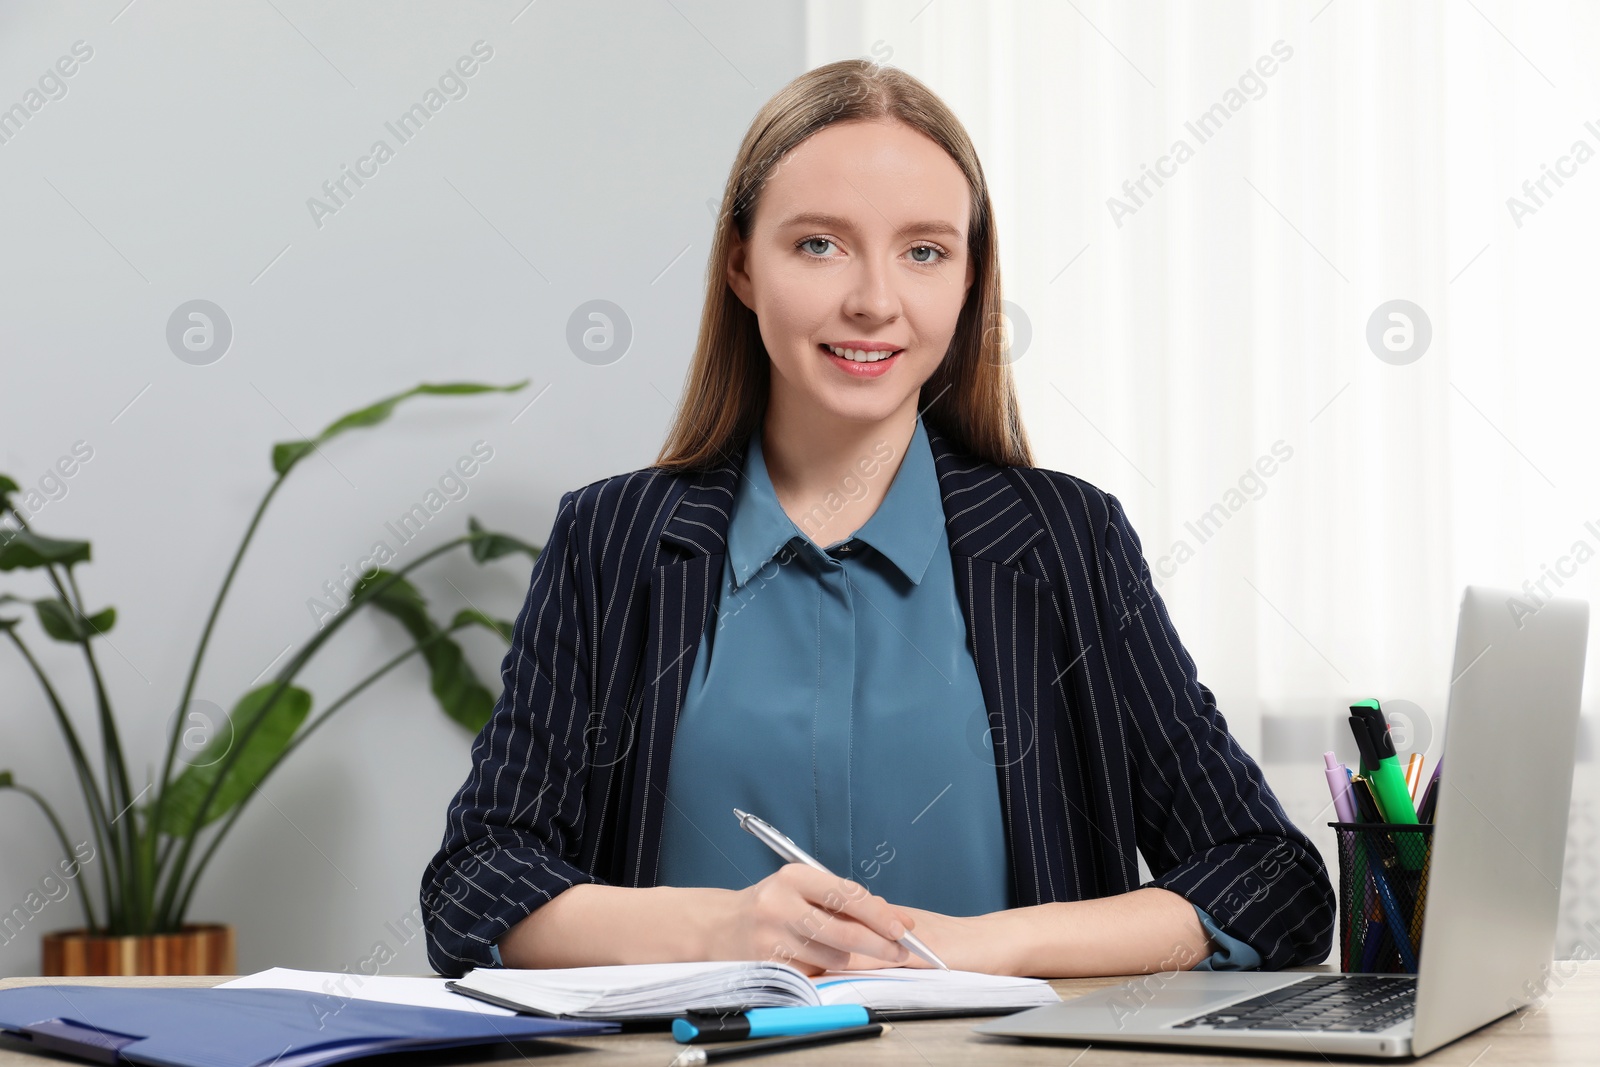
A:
{"points": [[858, 356]]}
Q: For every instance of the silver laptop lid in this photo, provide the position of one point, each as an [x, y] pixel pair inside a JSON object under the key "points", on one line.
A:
{"points": [[1501, 821]]}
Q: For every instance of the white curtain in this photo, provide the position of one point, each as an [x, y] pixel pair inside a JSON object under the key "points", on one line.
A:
{"points": [[1201, 210]]}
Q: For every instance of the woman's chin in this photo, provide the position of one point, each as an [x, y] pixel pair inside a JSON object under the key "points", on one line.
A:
{"points": [[855, 408]]}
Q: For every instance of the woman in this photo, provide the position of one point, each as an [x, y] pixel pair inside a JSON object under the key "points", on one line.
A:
{"points": [[941, 670]]}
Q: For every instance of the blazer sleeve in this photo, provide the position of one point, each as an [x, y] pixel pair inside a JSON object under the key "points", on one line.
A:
{"points": [[508, 829], [1209, 826]]}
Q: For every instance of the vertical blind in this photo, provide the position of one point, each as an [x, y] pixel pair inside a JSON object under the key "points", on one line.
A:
{"points": [[1308, 287]]}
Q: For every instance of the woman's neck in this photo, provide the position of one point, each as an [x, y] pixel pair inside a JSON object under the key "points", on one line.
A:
{"points": [[830, 475]]}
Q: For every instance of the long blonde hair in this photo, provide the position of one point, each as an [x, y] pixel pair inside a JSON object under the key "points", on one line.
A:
{"points": [[970, 399]]}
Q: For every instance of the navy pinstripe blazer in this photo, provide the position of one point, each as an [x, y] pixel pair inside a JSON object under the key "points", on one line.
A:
{"points": [[1105, 740]]}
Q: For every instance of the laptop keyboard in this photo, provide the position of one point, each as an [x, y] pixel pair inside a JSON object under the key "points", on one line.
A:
{"points": [[1360, 1003]]}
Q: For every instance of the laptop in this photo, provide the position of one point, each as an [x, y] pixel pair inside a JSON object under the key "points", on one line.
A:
{"points": [[1489, 920]]}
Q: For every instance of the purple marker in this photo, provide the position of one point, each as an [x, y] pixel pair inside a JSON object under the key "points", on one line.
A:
{"points": [[1344, 804]]}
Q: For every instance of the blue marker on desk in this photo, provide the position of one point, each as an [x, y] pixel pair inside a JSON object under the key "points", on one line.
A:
{"points": [[767, 1022], [699, 1027]]}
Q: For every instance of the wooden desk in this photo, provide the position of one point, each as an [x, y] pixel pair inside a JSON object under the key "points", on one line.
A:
{"points": [[1564, 1029]]}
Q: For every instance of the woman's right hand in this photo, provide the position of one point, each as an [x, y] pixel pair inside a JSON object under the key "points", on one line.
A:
{"points": [[813, 921]]}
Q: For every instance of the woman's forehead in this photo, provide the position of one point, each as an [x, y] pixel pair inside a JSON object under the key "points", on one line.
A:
{"points": [[871, 176]]}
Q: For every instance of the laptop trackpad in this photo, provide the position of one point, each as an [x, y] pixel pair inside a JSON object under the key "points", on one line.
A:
{"points": [[1190, 1001], [1156, 1003], [1141, 1005]]}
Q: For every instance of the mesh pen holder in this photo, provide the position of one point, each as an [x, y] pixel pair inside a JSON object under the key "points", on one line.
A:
{"points": [[1383, 884]]}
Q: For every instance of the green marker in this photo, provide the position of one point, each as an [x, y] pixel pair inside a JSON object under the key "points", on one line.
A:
{"points": [[1360, 710], [1389, 781], [1381, 767]]}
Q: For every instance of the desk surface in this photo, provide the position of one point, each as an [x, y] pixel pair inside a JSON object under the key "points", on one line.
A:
{"points": [[1565, 1028]]}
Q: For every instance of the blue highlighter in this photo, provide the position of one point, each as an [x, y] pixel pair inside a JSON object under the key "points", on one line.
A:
{"points": [[698, 1027]]}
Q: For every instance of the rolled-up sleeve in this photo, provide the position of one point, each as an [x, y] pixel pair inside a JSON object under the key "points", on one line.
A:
{"points": [[508, 830], [1209, 826], [1231, 954]]}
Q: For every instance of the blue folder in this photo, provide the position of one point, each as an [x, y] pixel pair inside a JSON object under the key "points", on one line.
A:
{"points": [[248, 1027]]}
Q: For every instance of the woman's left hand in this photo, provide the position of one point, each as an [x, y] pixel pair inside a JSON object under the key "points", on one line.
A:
{"points": [[964, 943]]}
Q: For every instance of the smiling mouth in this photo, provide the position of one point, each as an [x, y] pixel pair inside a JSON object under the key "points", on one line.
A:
{"points": [[857, 356]]}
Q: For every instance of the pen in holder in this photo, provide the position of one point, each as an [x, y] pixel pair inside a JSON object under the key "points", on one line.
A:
{"points": [[1383, 884]]}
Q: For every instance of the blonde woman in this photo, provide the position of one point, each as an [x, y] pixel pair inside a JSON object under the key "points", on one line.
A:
{"points": [[845, 600]]}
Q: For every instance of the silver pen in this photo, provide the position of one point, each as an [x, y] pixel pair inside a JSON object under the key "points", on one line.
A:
{"points": [[776, 840]]}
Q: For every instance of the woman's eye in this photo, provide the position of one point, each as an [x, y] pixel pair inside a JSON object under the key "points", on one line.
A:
{"points": [[817, 247]]}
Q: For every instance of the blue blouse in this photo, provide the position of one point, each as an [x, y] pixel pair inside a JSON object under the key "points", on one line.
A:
{"points": [[835, 696]]}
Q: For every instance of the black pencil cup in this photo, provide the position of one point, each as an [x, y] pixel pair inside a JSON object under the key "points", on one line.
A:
{"points": [[1383, 884]]}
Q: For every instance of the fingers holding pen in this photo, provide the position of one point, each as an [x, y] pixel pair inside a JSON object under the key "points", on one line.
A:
{"points": [[813, 919], [821, 913], [852, 922], [861, 922]]}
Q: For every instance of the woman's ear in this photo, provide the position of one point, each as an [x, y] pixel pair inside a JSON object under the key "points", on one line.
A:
{"points": [[737, 271]]}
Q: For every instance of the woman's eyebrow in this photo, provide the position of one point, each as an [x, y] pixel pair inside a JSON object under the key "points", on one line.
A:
{"points": [[835, 222]]}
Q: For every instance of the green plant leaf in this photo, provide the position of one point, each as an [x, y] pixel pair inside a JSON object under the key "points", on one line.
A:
{"points": [[65, 624], [261, 751], [477, 618], [286, 454], [494, 545], [24, 548], [7, 487], [454, 683], [6, 781]]}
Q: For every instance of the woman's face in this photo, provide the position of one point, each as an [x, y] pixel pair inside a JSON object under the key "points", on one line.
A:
{"points": [[859, 239]]}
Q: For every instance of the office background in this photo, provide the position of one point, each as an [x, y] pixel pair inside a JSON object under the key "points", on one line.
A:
{"points": [[1172, 340]]}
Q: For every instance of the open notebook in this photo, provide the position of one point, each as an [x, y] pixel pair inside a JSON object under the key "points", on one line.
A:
{"points": [[649, 989]]}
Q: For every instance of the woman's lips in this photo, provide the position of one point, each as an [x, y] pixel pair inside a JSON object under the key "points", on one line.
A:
{"points": [[862, 370]]}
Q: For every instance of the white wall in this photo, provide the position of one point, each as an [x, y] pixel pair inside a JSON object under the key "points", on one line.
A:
{"points": [[177, 166]]}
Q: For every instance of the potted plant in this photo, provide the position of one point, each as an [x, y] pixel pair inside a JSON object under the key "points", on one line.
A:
{"points": [[152, 846]]}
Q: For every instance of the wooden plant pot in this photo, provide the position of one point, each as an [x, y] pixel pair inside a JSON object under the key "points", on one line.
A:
{"points": [[198, 948]]}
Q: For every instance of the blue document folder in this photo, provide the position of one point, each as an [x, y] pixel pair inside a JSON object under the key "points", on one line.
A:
{"points": [[248, 1027]]}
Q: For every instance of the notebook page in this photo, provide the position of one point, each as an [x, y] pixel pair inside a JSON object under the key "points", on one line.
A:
{"points": [[930, 987], [418, 992], [644, 988]]}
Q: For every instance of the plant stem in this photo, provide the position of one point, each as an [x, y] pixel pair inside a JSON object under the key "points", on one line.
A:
{"points": [[200, 866], [117, 765], [154, 826], [134, 915], [287, 673], [111, 744], [61, 835], [80, 763], [285, 676], [114, 901]]}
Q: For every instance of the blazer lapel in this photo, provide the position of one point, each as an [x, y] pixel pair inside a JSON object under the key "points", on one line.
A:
{"points": [[1014, 634], [683, 592], [1011, 624]]}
